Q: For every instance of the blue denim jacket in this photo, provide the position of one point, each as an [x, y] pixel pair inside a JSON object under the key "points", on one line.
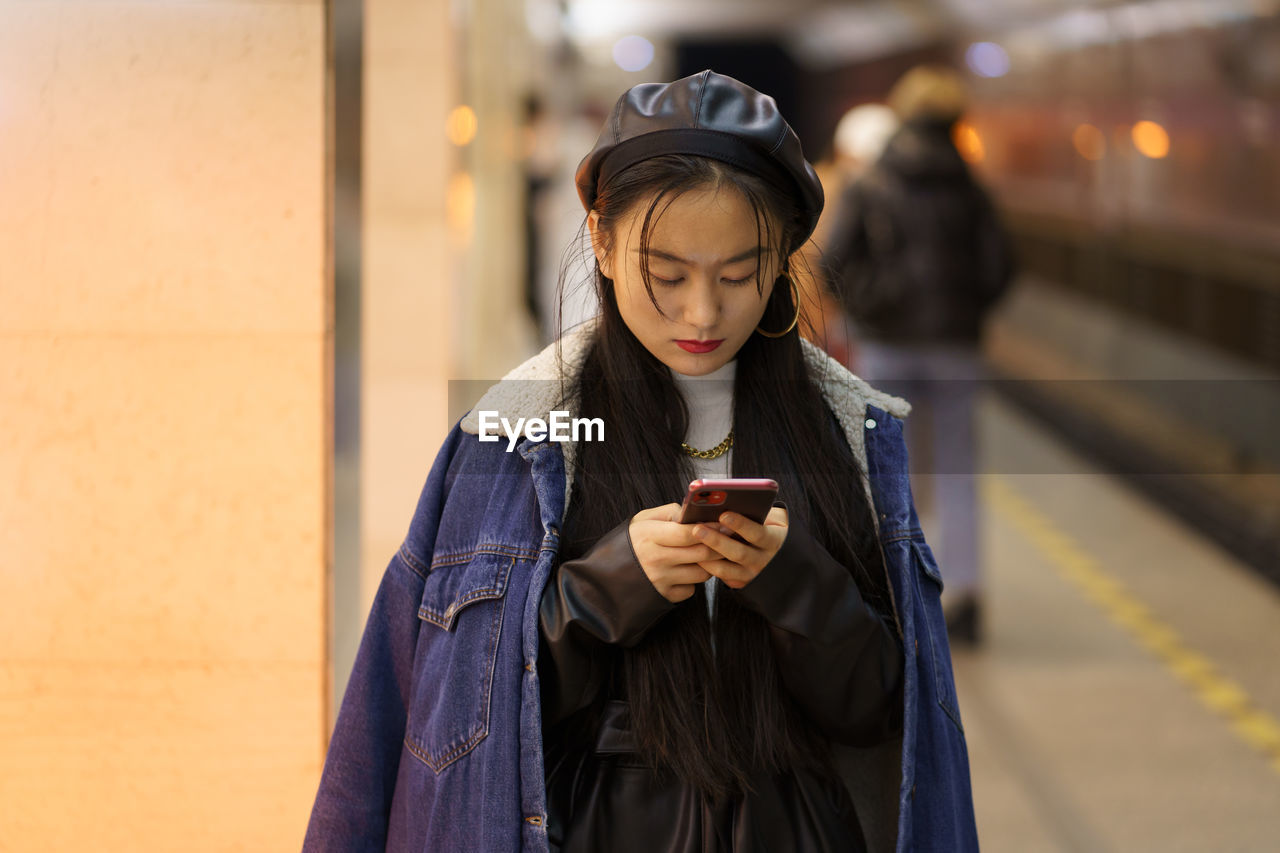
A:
{"points": [[438, 744]]}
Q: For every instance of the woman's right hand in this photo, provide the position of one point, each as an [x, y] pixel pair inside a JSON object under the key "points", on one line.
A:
{"points": [[668, 553]]}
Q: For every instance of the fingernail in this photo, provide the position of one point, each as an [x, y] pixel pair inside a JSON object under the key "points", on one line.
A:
{"points": [[699, 532]]}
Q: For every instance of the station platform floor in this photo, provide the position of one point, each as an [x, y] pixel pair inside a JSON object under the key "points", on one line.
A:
{"points": [[1126, 696]]}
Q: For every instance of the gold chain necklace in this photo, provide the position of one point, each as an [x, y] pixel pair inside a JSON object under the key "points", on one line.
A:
{"points": [[719, 450]]}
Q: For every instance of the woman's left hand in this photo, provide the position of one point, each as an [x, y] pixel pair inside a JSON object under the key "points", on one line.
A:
{"points": [[742, 560]]}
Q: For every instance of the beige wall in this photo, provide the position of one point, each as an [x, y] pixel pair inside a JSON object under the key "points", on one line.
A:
{"points": [[409, 277], [164, 452], [499, 333]]}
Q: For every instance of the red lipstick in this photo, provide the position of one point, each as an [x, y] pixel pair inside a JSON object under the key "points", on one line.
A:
{"points": [[699, 346]]}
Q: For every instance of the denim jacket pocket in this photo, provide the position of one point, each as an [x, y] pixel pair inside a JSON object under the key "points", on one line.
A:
{"points": [[934, 629], [925, 560], [462, 608]]}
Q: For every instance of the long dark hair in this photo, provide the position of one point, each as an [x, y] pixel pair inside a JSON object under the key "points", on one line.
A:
{"points": [[713, 721]]}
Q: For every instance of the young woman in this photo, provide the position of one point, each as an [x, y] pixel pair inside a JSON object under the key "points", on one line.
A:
{"points": [[554, 662]]}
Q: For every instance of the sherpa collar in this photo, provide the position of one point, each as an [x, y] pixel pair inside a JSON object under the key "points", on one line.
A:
{"points": [[532, 391]]}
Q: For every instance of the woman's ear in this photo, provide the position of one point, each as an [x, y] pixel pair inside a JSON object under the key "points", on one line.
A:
{"points": [[599, 244]]}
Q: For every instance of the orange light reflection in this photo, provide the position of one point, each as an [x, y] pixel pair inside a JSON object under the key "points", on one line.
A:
{"points": [[1150, 139], [460, 203], [1089, 142], [461, 125], [968, 142]]}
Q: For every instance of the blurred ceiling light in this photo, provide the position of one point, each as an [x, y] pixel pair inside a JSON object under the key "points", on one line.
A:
{"points": [[461, 125], [596, 19], [1089, 142], [1081, 27], [633, 53], [542, 17], [987, 59], [460, 207], [592, 21], [1075, 28], [1150, 139], [834, 34], [1156, 17], [968, 142]]}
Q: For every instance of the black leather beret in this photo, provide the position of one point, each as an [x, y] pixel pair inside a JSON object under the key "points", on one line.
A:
{"points": [[710, 115]]}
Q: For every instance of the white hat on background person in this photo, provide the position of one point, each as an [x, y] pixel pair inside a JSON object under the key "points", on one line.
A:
{"points": [[863, 131]]}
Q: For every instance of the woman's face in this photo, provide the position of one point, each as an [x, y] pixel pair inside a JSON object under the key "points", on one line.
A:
{"points": [[703, 254]]}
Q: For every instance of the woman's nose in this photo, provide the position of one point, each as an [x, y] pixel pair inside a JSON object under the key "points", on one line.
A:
{"points": [[702, 305]]}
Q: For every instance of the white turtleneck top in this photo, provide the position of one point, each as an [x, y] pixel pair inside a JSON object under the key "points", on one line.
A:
{"points": [[710, 402]]}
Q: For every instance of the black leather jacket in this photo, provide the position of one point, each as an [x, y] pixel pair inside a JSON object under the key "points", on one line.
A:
{"points": [[840, 660]]}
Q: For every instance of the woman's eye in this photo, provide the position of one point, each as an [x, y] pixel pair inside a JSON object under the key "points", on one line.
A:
{"points": [[669, 282], [737, 281]]}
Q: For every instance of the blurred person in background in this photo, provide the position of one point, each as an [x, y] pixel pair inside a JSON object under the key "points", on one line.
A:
{"points": [[919, 257], [554, 662], [538, 170], [859, 139], [558, 300]]}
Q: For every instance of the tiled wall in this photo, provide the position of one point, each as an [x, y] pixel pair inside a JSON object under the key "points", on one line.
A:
{"points": [[164, 448]]}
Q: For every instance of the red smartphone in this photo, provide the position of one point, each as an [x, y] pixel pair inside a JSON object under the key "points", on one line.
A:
{"points": [[707, 499]]}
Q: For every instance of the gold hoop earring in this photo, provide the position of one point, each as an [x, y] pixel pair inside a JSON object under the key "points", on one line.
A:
{"points": [[795, 293]]}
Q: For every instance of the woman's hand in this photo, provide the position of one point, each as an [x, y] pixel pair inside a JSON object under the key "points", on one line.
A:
{"points": [[737, 563], [668, 552]]}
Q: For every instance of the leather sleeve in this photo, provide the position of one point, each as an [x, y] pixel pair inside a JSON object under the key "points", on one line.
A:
{"points": [[838, 657], [602, 598]]}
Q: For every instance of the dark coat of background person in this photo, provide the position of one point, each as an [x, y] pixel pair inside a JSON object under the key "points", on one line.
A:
{"points": [[916, 251]]}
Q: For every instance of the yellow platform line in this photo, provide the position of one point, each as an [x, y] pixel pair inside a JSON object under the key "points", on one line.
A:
{"points": [[1221, 695]]}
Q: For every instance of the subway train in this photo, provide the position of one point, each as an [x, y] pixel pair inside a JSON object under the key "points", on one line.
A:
{"points": [[1133, 150]]}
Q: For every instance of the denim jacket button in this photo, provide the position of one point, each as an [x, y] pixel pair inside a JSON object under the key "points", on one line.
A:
{"points": [[871, 423]]}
